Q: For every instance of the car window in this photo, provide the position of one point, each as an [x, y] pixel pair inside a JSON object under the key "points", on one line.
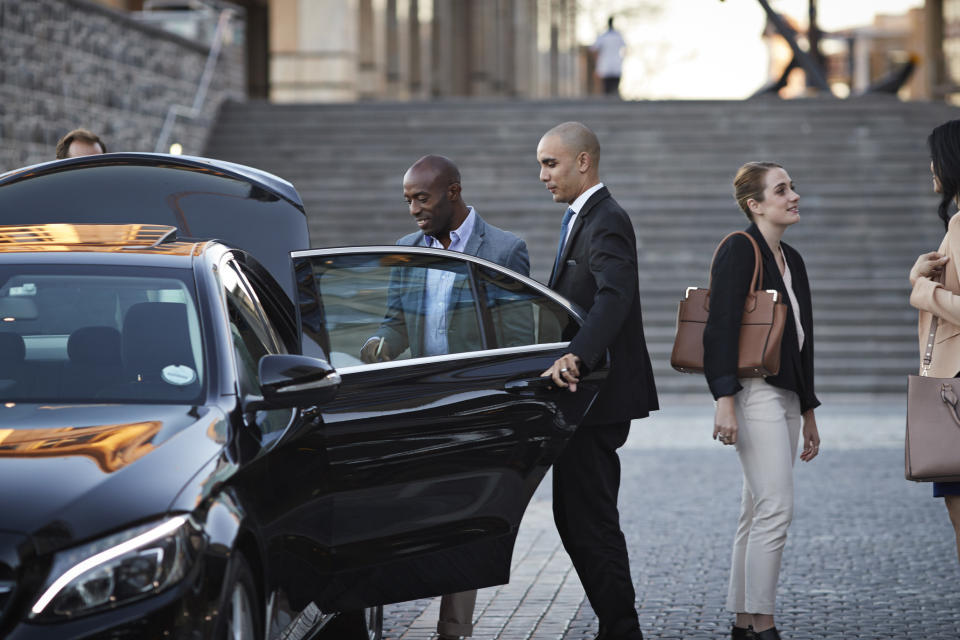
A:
{"points": [[521, 315], [419, 307], [85, 333], [419, 304], [279, 320], [252, 338]]}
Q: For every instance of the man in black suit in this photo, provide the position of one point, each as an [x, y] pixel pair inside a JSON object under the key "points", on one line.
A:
{"points": [[596, 267]]}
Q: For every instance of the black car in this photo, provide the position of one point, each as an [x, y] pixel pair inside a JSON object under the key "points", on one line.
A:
{"points": [[190, 446]]}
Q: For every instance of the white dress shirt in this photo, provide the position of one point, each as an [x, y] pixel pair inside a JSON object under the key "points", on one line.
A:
{"points": [[577, 204], [788, 280]]}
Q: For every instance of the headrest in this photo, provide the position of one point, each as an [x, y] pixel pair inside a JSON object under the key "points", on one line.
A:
{"points": [[94, 345], [155, 335], [12, 349]]}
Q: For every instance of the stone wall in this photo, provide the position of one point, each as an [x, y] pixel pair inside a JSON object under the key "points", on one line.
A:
{"points": [[72, 63]]}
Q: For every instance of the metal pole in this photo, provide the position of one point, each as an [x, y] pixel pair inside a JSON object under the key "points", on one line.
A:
{"points": [[203, 86]]}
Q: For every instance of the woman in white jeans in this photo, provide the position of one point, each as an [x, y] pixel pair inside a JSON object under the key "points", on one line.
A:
{"points": [[762, 417]]}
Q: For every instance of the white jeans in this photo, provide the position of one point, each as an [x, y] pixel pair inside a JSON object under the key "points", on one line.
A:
{"points": [[769, 430]]}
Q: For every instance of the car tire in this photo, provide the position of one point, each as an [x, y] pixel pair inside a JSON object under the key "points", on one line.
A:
{"points": [[361, 624], [240, 617]]}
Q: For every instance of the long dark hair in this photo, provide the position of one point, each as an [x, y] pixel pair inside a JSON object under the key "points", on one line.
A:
{"points": [[944, 143]]}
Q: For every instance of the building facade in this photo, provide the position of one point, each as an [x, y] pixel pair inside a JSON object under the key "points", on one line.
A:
{"points": [[343, 50]]}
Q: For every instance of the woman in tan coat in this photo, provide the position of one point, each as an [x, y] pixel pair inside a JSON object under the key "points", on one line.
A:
{"points": [[935, 278]]}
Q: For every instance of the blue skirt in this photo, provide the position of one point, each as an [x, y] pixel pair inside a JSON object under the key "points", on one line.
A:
{"points": [[941, 489]]}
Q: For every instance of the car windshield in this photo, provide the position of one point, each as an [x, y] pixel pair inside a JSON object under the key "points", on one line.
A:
{"points": [[93, 334]]}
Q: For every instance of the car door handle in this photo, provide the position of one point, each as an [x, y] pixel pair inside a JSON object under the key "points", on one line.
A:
{"points": [[529, 386]]}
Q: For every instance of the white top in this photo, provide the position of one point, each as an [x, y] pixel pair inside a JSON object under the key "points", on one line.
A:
{"points": [[576, 205], [436, 298], [609, 48], [788, 280]]}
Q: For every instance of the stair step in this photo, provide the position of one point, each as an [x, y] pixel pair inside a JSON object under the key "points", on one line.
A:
{"points": [[861, 166]]}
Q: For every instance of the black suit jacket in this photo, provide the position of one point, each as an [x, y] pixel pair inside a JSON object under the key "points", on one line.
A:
{"points": [[598, 271], [729, 282]]}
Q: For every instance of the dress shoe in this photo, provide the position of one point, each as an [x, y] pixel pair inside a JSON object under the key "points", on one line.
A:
{"points": [[767, 634], [739, 633]]}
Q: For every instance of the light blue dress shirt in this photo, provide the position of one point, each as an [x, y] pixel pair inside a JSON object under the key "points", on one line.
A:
{"points": [[436, 299]]}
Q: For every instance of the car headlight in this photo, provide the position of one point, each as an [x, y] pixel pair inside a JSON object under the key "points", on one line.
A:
{"points": [[119, 568]]}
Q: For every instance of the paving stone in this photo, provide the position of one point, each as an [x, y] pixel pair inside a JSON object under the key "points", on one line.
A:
{"points": [[869, 555]]}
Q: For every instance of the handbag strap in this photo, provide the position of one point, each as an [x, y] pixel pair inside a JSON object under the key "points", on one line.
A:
{"points": [[754, 282], [928, 354]]}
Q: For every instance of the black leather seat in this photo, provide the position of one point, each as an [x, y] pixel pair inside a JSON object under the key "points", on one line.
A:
{"points": [[94, 362], [13, 353], [156, 336]]}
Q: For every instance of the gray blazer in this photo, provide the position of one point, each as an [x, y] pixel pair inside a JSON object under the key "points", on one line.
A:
{"points": [[402, 326]]}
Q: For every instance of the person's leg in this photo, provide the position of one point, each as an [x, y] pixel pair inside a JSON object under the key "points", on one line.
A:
{"points": [[953, 509], [586, 480], [456, 614], [736, 592], [769, 424]]}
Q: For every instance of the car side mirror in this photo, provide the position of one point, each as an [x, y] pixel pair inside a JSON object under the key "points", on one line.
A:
{"points": [[291, 380]]}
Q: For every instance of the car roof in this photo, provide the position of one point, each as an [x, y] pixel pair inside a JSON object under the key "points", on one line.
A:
{"points": [[61, 240]]}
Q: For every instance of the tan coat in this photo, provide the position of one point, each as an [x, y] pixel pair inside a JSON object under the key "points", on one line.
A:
{"points": [[942, 300]]}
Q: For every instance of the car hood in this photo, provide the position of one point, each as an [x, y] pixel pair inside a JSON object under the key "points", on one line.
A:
{"points": [[68, 473]]}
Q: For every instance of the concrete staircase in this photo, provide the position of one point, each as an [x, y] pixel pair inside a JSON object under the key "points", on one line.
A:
{"points": [[860, 165]]}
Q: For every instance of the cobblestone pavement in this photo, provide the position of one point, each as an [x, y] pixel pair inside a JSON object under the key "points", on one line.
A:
{"points": [[869, 555]]}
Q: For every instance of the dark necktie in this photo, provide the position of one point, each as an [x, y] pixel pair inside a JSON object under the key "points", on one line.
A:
{"points": [[563, 237]]}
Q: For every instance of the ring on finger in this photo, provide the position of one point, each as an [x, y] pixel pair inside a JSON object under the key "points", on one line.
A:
{"points": [[564, 370]]}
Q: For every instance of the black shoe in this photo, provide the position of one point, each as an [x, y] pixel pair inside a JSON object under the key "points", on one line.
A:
{"points": [[767, 634], [739, 633]]}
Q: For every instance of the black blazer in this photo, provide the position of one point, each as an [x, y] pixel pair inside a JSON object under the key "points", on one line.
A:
{"points": [[730, 279], [598, 271]]}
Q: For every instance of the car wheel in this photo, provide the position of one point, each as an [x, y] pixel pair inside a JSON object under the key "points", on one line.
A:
{"points": [[361, 624], [240, 618]]}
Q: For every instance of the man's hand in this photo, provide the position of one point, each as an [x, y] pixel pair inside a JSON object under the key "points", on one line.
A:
{"points": [[375, 349], [565, 371]]}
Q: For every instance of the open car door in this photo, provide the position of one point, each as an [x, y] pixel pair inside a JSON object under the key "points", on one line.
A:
{"points": [[415, 477]]}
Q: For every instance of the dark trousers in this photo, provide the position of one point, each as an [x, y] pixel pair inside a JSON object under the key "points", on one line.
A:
{"points": [[611, 85], [586, 480]]}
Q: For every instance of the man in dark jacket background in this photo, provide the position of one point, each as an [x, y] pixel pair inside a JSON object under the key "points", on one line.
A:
{"points": [[596, 267]]}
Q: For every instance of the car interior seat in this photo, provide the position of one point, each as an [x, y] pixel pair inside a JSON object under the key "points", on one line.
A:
{"points": [[94, 362], [13, 352], [155, 350]]}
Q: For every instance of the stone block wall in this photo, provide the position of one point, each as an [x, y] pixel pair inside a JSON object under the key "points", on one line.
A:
{"points": [[73, 63]]}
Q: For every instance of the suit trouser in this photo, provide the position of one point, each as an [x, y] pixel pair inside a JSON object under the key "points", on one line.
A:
{"points": [[586, 480], [769, 423], [456, 614]]}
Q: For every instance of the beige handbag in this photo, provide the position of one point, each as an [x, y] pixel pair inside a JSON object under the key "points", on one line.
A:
{"points": [[761, 328], [932, 446]]}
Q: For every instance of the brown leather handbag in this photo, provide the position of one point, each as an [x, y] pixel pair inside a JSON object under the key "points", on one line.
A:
{"points": [[761, 328], [932, 446]]}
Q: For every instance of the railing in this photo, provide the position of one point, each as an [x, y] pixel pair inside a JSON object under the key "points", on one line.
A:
{"points": [[194, 112]]}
